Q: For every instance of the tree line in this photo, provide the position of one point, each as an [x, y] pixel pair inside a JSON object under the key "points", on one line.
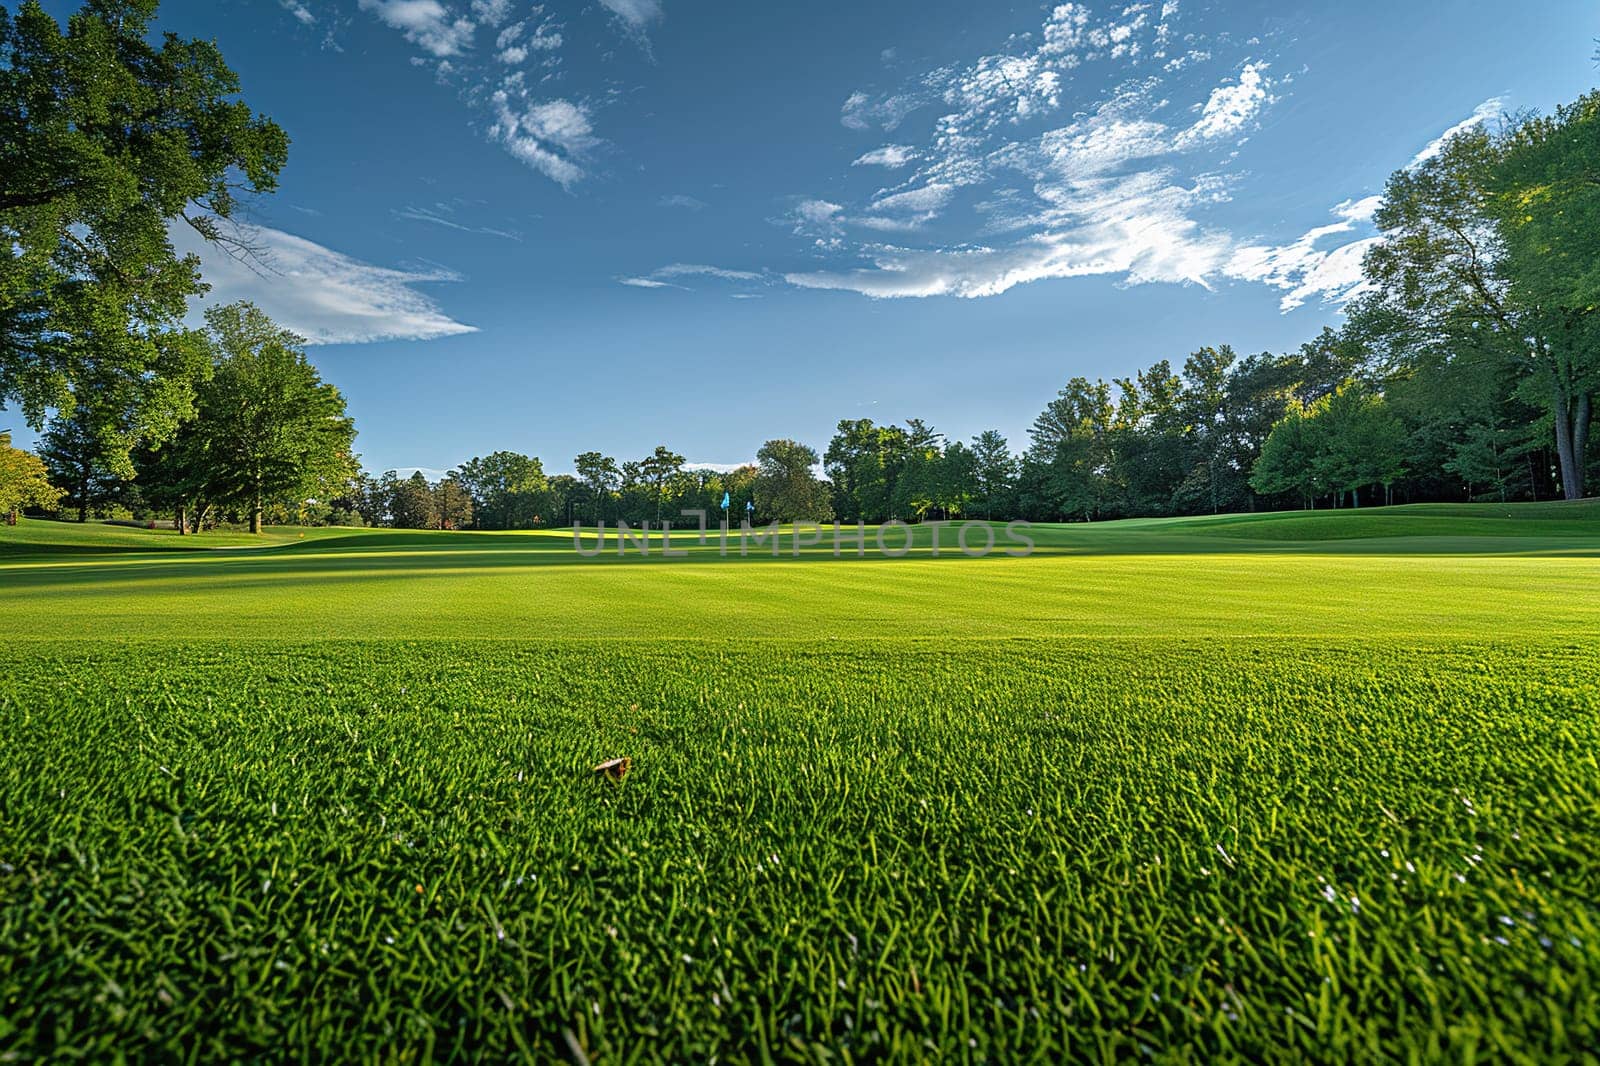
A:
{"points": [[1466, 369]]}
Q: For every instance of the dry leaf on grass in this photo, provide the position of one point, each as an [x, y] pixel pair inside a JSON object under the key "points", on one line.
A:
{"points": [[615, 769]]}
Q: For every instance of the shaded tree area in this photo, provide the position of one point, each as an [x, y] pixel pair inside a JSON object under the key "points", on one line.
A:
{"points": [[111, 134], [267, 432], [24, 482]]}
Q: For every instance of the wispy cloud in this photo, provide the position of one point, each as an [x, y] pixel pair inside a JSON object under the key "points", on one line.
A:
{"points": [[684, 201], [1487, 111], [1019, 186], [890, 155], [1307, 268], [499, 55], [1231, 107], [648, 283], [443, 215], [1023, 187], [1324, 263], [427, 24], [635, 14], [674, 275], [552, 136], [721, 468], [323, 295]]}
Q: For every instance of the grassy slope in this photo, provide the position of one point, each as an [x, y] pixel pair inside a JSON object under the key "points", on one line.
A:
{"points": [[1234, 575], [859, 838]]}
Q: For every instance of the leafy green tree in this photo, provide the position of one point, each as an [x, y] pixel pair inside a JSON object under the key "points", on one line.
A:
{"points": [[24, 481], [1327, 362], [916, 488], [1484, 247], [600, 477], [505, 488], [786, 487], [1070, 455], [851, 460], [657, 469], [276, 429], [740, 485], [1345, 441], [1149, 441], [412, 504], [958, 479], [80, 459], [562, 495], [1488, 458], [267, 427], [994, 470], [452, 503], [1545, 197], [1211, 445], [1288, 460], [107, 139]]}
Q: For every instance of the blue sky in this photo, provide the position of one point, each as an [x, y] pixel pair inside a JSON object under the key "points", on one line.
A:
{"points": [[618, 223]]}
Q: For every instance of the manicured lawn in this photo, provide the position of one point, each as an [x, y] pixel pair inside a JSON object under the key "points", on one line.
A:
{"points": [[1208, 783], [1190, 578]]}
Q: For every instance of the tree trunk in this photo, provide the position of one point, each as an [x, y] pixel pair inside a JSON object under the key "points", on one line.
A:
{"points": [[182, 522], [255, 511], [1572, 439], [1580, 440]]}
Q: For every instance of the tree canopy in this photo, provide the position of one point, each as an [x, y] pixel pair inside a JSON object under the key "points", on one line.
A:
{"points": [[24, 482], [267, 427], [106, 141]]}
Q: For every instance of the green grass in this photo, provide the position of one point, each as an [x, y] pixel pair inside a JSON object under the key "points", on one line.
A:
{"points": [[1189, 578], [1199, 789]]}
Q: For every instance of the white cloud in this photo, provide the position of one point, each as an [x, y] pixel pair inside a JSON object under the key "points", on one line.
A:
{"points": [[1230, 107], [561, 122], [927, 200], [684, 201], [1310, 267], [1112, 190], [491, 12], [1487, 111], [323, 295], [679, 270], [812, 217], [721, 468], [548, 136], [440, 216], [1306, 271], [861, 112], [668, 277], [425, 24], [890, 155], [1137, 228], [299, 11], [635, 14], [552, 136], [1361, 210], [513, 48]]}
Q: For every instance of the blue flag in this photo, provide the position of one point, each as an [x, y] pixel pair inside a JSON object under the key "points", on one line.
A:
{"points": [[725, 501]]}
